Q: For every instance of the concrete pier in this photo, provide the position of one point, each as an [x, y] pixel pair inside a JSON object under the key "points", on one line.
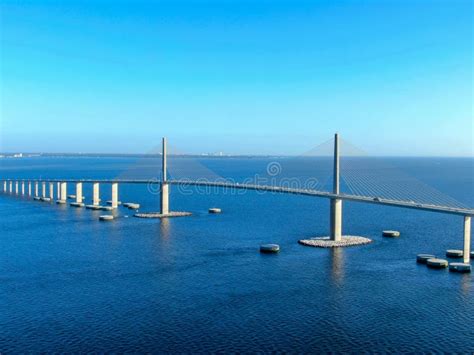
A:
{"points": [[79, 192], [336, 204], [467, 239], [63, 195], [23, 188], [58, 190], [164, 185], [43, 189], [4, 186], [11, 186], [95, 194], [51, 191], [336, 220], [29, 188], [165, 199], [36, 189], [16, 187], [114, 195]]}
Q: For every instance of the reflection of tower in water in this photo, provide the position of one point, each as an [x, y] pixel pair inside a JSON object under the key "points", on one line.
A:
{"points": [[466, 286], [337, 265], [164, 243], [164, 228]]}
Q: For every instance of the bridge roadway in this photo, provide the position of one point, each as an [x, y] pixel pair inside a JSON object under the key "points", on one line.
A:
{"points": [[277, 189]]}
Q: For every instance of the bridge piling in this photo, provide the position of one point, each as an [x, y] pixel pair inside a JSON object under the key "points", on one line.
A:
{"points": [[16, 187], [164, 184], [36, 189], [336, 204], [11, 186], [58, 190], [79, 192], [43, 189], [29, 188], [95, 194], [63, 194], [467, 239], [51, 191], [23, 188], [114, 195]]}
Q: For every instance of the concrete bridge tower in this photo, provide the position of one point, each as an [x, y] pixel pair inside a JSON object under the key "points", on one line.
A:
{"points": [[336, 204], [467, 239], [164, 183]]}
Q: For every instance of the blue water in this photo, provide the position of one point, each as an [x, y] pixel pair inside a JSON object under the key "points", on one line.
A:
{"points": [[69, 283]]}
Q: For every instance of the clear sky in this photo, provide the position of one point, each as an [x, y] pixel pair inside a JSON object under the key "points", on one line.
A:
{"points": [[265, 77]]}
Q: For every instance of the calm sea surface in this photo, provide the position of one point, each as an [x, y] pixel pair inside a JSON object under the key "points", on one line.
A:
{"points": [[69, 283]]}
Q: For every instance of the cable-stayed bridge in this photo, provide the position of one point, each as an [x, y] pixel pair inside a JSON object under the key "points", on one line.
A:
{"points": [[382, 185]]}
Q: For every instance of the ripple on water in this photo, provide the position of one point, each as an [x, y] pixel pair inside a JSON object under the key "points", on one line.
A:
{"points": [[199, 284]]}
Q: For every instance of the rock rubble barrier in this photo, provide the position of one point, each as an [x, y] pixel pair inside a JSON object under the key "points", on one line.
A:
{"points": [[326, 242]]}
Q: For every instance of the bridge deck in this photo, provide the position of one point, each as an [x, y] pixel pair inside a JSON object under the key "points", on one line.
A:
{"points": [[276, 189]]}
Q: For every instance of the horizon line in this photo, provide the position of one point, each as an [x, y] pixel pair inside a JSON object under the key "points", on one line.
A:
{"points": [[14, 155]]}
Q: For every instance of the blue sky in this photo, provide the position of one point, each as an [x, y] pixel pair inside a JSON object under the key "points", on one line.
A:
{"points": [[264, 77]]}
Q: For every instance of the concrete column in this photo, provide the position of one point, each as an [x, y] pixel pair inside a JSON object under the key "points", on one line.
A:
{"points": [[164, 185], [58, 190], [336, 219], [467, 239], [11, 186], [36, 189], [5, 186], [114, 195], [95, 194], [51, 191], [79, 192], [336, 204], [165, 198], [23, 188], [63, 194], [29, 188], [43, 189], [16, 187]]}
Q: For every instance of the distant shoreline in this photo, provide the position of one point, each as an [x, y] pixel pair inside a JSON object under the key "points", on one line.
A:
{"points": [[9, 155]]}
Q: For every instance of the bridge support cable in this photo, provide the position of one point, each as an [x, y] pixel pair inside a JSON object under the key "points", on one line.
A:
{"points": [[373, 177]]}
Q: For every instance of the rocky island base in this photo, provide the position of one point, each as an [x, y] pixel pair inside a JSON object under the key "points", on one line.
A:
{"points": [[161, 215], [325, 242]]}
